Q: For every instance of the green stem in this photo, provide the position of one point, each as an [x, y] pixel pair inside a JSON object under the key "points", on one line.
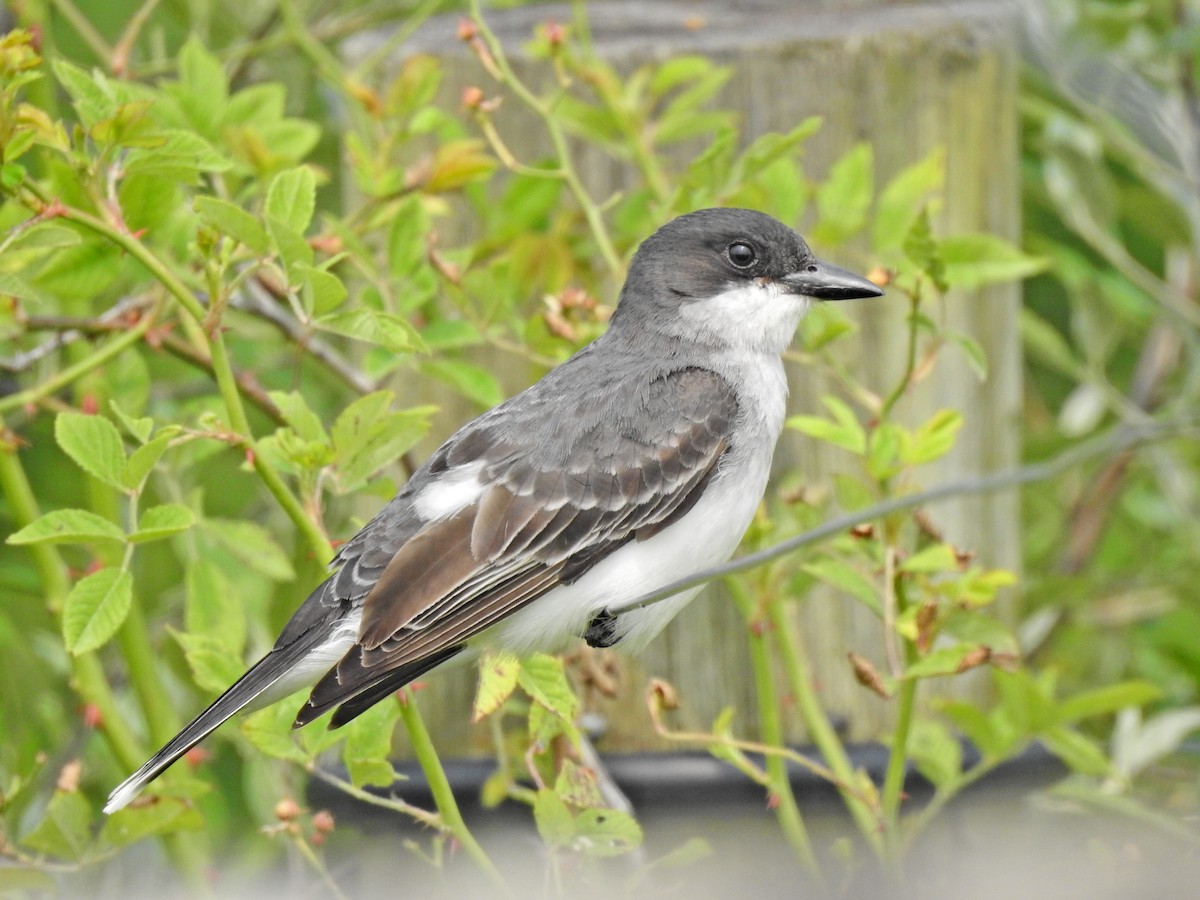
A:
{"points": [[771, 727], [71, 373], [558, 138], [816, 722], [893, 780], [443, 795]]}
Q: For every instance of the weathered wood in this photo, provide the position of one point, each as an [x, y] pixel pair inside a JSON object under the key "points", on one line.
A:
{"points": [[907, 78]]}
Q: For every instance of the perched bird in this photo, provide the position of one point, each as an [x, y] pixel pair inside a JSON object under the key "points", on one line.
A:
{"points": [[638, 461]]}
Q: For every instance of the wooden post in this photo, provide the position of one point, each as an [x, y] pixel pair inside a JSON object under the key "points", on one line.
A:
{"points": [[908, 78]]}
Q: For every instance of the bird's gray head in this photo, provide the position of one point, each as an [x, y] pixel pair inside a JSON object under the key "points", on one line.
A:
{"points": [[732, 277]]}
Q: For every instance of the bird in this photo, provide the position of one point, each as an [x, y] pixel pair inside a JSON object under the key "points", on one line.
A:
{"points": [[636, 462]]}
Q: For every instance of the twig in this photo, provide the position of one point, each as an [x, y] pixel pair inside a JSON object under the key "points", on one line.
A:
{"points": [[1116, 440], [72, 329]]}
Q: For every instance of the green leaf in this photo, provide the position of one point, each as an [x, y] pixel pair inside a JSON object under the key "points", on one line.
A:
{"points": [[95, 445], [12, 285], [368, 749], [143, 459], [234, 222], [214, 662], [407, 238], [606, 832], [213, 607], [294, 251], [976, 725], [367, 437], [936, 753], [473, 382], [44, 235], [159, 522], [497, 680], [89, 94], [1108, 699], [846, 578], [95, 608], [270, 731], [554, 821], [933, 439], [322, 291], [542, 677], [920, 246], [942, 661], [975, 260], [375, 327], [67, 526], [202, 78], [1047, 344], [844, 197], [902, 200], [934, 558], [138, 427], [253, 545], [1080, 753], [134, 823], [844, 431], [296, 412], [577, 785], [180, 153], [457, 164], [292, 197], [65, 831]]}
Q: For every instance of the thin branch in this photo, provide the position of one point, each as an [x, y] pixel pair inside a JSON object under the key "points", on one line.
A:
{"points": [[1116, 440]]}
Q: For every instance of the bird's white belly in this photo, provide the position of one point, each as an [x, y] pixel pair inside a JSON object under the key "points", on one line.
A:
{"points": [[708, 534]]}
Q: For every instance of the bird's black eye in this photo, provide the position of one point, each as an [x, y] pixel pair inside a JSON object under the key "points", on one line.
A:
{"points": [[741, 255]]}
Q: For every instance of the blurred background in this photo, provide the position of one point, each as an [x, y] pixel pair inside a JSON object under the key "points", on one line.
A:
{"points": [[258, 259]]}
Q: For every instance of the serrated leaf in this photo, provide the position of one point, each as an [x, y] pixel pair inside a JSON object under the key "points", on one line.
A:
{"points": [[13, 285], [297, 413], [554, 821], [368, 749], [95, 445], [139, 427], [543, 678], [253, 545], [214, 661], [88, 93], [44, 235], [65, 830], [292, 197], [606, 832], [134, 823], [142, 460], [933, 439], [162, 521], [234, 222], [95, 608], [294, 251], [577, 786], [67, 526], [497, 680], [180, 152], [365, 324], [322, 291], [366, 437], [270, 731]]}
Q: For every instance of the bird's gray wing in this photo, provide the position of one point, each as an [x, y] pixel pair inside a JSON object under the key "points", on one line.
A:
{"points": [[548, 511]]}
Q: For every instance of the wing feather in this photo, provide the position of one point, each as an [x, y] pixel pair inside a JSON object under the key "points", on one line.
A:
{"points": [[550, 511]]}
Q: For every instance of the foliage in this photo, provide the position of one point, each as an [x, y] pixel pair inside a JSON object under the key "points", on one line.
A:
{"points": [[218, 311]]}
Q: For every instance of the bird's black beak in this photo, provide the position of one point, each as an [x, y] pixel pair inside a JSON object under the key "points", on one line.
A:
{"points": [[828, 282]]}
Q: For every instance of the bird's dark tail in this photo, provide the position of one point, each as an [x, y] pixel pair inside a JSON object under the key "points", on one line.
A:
{"points": [[269, 672]]}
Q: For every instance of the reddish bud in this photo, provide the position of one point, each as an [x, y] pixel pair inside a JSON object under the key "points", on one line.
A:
{"points": [[881, 276], [467, 30], [89, 405], [92, 717], [287, 809], [323, 821], [250, 457], [555, 34], [197, 756], [472, 97]]}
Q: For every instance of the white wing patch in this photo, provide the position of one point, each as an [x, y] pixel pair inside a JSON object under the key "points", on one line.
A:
{"points": [[450, 492]]}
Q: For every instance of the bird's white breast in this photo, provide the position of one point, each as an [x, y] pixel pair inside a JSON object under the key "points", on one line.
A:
{"points": [[707, 535]]}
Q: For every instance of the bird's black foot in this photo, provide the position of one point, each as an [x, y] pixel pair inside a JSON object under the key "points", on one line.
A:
{"points": [[602, 631]]}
